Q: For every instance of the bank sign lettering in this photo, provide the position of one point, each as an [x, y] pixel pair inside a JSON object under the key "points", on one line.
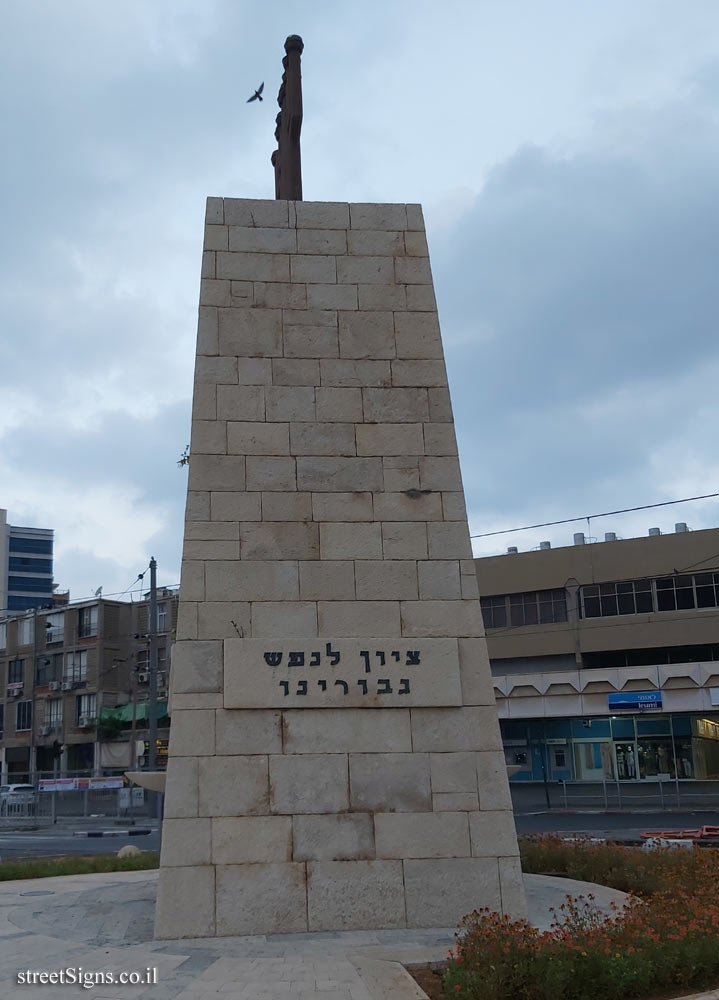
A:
{"points": [[635, 701]]}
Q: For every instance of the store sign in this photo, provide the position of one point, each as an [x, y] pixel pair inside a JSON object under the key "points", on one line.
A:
{"points": [[79, 784], [635, 701]]}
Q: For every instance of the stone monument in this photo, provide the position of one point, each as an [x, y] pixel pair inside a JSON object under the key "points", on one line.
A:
{"points": [[335, 760]]}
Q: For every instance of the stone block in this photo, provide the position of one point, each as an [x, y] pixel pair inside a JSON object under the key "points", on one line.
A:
{"points": [[278, 619], [240, 732], [455, 802], [439, 580], [340, 837], [390, 782], [204, 401], [251, 333], [258, 438], [286, 507], [322, 439], [453, 772], [240, 402], [181, 788], [186, 842], [412, 505], [187, 620], [448, 730], [390, 439], [347, 730], [337, 405], [325, 241], [261, 899], [214, 211], [308, 783], [401, 540], [296, 372], [388, 580], [254, 371], [440, 474], [192, 702], [367, 335], [174, 918], [271, 474], [449, 540], [350, 540], [415, 219], [422, 835], [254, 580], [248, 840], [440, 405], [354, 895], [207, 330], [358, 618], [416, 244], [234, 785], [253, 266], [440, 892], [373, 215], [355, 373], [216, 371], [417, 335], [314, 268], [492, 780], [211, 550], [389, 406], [217, 472], [235, 506], [192, 580], [493, 834], [242, 293], [279, 540], [311, 342], [215, 619], [322, 215], [420, 298], [286, 403], [253, 212], [373, 242], [262, 240], [327, 581], [279, 295], [511, 885], [333, 475], [366, 270], [214, 293], [332, 296], [193, 732], [453, 506], [198, 531], [196, 666], [342, 506], [439, 439], [475, 672], [198, 506], [401, 472], [419, 373], [392, 297], [412, 271]]}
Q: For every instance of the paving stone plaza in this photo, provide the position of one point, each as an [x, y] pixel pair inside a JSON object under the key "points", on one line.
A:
{"points": [[335, 761]]}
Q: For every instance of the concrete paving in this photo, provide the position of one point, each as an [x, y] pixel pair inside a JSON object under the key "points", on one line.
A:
{"points": [[104, 923]]}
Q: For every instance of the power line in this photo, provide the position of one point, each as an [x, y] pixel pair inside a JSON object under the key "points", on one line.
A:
{"points": [[589, 517]]}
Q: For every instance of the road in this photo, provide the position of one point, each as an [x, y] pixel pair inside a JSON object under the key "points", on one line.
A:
{"points": [[58, 843], [612, 825]]}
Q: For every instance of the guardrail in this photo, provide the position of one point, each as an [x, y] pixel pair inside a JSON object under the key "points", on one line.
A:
{"points": [[660, 795]]}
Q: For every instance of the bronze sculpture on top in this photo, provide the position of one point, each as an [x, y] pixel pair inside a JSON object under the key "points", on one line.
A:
{"points": [[286, 158]]}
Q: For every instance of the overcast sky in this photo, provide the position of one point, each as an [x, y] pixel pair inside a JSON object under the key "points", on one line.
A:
{"points": [[566, 154]]}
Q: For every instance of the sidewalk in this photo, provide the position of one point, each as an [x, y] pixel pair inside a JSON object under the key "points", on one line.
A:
{"points": [[104, 922]]}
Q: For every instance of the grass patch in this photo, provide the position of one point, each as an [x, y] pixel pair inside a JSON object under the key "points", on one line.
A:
{"points": [[665, 942], [82, 865]]}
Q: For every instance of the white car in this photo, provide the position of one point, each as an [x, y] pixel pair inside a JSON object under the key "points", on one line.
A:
{"points": [[17, 799]]}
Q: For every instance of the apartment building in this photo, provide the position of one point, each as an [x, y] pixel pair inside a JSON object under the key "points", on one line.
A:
{"points": [[605, 656], [25, 567], [75, 695]]}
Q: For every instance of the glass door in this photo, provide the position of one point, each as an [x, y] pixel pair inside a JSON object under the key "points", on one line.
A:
{"points": [[625, 754]]}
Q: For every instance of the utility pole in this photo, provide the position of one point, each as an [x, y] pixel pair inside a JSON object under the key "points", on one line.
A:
{"points": [[152, 633]]}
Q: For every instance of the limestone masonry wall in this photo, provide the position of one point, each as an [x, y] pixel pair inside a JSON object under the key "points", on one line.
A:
{"points": [[325, 507]]}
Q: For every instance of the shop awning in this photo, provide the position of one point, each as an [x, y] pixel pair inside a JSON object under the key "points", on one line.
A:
{"points": [[142, 712]]}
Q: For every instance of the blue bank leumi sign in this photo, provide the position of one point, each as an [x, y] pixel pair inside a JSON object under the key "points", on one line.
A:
{"points": [[635, 701]]}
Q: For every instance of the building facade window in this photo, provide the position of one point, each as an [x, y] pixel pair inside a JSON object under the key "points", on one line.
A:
{"points": [[23, 716], [24, 631], [87, 622], [49, 668], [76, 666], [162, 617], [3, 635], [2, 720], [53, 713], [494, 611], [681, 592], [534, 607], [55, 628], [16, 672], [85, 707]]}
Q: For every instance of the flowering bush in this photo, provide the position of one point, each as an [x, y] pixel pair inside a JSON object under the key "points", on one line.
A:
{"points": [[666, 939]]}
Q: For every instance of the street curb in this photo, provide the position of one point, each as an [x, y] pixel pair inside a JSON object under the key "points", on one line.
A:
{"points": [[140, 831]]}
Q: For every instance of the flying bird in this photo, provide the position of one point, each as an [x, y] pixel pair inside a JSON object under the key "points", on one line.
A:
{"points": [[257, 96]]}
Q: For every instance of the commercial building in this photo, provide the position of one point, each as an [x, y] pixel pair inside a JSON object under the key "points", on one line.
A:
{"points": [[25, 567], [76, 682], [605, 656]]}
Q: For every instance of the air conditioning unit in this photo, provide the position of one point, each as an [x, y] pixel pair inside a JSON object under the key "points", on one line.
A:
{"points": [[67, 685], [85, 721], [54, 686], [143, 677], [14, 692], [44, 730]]}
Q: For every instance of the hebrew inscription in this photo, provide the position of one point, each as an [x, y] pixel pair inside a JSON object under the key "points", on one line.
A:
{"points": [[341, 673]]}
